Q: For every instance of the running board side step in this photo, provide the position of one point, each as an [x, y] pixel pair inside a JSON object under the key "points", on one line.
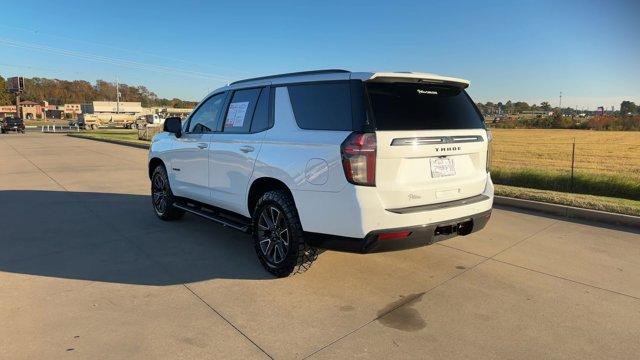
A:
{"points": [[209, 215]]}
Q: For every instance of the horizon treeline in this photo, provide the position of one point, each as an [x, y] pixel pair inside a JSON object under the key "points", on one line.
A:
{"points": [[60, 92]]}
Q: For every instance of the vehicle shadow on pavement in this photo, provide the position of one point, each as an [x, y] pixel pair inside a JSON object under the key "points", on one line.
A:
{"points": [[116, 238]]}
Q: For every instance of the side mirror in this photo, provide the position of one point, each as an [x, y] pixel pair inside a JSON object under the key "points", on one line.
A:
{"points": [[173, 125]]}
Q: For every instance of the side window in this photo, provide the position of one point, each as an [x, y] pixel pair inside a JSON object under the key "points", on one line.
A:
{"points": [[322, 106], [261, 116], [204, 119], [240, 112]]}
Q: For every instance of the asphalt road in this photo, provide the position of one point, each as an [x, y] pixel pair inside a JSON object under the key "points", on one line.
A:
{"points": [[86, 270]]}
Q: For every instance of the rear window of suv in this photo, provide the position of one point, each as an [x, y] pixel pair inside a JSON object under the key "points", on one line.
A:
{"points": [[410, 106]]}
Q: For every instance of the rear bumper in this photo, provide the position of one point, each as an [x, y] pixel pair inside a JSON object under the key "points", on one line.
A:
{"points": [[419, 235], [357, 211]]}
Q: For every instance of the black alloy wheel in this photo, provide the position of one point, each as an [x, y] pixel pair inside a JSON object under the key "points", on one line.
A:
{"points": [[278, 237], [273, 234], [161, 196]]}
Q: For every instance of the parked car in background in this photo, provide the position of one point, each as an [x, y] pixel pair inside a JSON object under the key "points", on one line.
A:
{"points": [[149, 119], [12, 124], [328, 158]]}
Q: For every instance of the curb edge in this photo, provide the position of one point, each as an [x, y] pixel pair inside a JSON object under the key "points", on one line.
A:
{"points": [[569, 211]]}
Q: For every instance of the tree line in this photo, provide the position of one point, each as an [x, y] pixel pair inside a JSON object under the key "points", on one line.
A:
{"points": [[627, 119], [512, 107], [629, 108], [60, 92], [518, 107]]}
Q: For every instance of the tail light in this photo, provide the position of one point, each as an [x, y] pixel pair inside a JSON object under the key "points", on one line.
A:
{"points": [[359, 158], [489, 148]]}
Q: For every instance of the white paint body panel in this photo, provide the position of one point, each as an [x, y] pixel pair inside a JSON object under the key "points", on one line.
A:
{"points": [[403, 176], [230, 168], [357, 210], [189, 166], [287, 149]]}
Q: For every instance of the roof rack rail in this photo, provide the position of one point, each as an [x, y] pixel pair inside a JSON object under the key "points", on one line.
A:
{"points": [[312, 72]]}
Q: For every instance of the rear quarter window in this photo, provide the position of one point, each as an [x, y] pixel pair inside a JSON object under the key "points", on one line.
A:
{"points": [[322, 106], [410, 106]]}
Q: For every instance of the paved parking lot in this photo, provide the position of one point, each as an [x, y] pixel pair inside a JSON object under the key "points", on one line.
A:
{"points": [[87, 271]]}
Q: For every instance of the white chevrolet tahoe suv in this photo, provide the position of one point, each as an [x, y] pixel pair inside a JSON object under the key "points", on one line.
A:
{"points": [[330, 159]]}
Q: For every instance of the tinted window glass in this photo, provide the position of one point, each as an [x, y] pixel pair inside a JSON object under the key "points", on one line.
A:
{"points": [[204, 119], [322, 106], [261, 116], [358, 108], [403, 106], [240, 112]]}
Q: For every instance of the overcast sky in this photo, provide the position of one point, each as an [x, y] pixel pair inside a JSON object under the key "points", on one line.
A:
{"points": [[518, 50]]}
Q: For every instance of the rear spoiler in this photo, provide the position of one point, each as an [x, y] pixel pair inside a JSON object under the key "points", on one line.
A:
{"points": [[411, 77]]}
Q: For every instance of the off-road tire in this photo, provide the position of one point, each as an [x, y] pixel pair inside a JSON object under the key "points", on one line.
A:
{"points": [[299, 255], [160, 187]]}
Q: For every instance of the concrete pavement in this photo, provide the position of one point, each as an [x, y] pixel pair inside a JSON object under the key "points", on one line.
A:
{"points": [[87, 270]]}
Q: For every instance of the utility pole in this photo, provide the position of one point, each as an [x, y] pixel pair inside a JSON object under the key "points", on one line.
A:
{"points": [[18, 105], [117, 96], [573, 161], [16, 86]]}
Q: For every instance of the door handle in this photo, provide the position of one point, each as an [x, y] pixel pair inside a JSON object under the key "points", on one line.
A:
{"points": [[203, 145], [246, 149]]}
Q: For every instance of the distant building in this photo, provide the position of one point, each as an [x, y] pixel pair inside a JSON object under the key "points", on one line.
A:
{"points": [[7, 110], [33, 110], [100, 107], [73, 109], [30, 109], [55, 114], [50, 111]]}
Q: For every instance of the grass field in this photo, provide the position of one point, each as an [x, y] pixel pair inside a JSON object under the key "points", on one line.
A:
{"points": [[602, 203], [57, 122], [112, 134], [606, 163]]}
